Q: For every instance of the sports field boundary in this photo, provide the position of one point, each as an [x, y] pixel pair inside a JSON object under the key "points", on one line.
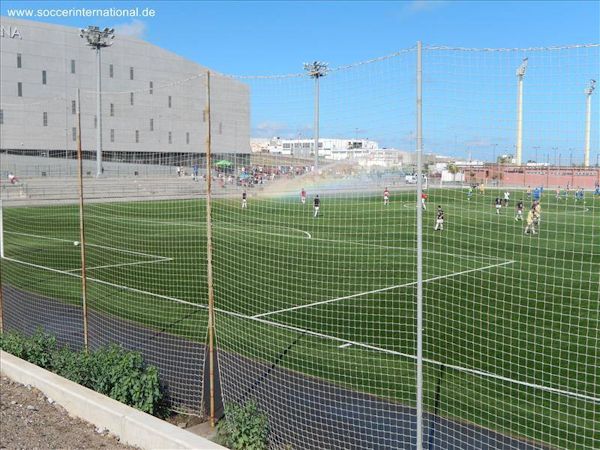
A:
{"points": [[334, 338]]}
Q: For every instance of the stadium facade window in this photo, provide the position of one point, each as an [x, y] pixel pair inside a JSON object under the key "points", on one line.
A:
{"points": [[131, 98], [169, 101], [111, 71], [1, 117], [44, 77], [73, 107], [151, 124], [151, 87], [45, 118], [74, 134], [170, 137], [19, 60], [112, 135], [72, 66], [137, 136], [187, 137], [131, 73], [112, 109]]}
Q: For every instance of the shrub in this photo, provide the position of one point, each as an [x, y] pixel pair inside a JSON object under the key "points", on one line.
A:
{"points": [[37, 349], [112, 371], [245, 427]]}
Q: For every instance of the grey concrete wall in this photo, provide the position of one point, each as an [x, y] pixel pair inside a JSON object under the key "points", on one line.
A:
{"points": [[50, 48]]}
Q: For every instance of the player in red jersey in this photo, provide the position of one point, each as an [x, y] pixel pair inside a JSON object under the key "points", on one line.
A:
{"points": [[386, 197]]}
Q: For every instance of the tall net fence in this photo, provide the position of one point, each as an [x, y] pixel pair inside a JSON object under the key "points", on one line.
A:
{"points": [[314, 249]]}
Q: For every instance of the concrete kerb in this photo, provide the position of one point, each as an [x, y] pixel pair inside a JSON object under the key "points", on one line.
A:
{"points": [[130, 425]]}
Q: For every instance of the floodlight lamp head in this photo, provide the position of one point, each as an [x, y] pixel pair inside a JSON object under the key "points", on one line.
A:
{"points": [[522, 68], [590, 89], [316, 69]]}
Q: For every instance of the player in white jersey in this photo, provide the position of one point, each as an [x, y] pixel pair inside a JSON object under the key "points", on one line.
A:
{"points": [[386, 197]]}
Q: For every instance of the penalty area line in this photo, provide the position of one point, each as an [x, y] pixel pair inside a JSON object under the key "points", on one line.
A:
{"points": [[375, 291], [162, 259]]}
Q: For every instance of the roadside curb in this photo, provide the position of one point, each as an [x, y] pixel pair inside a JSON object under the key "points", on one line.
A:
{"points": [[131, 426]]}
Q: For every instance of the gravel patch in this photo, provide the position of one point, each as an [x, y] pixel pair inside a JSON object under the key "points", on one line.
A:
{"points": [[28, 419]]}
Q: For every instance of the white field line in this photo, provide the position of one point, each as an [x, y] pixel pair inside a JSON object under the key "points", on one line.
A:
{"points": [[308, 236], [325, 336], [406, 355], [203, 226], [153, 261], [118, 286], [375, 291], [131, 252]]}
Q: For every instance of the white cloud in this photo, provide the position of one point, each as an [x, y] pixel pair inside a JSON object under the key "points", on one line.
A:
{"points": [[136, 29]]}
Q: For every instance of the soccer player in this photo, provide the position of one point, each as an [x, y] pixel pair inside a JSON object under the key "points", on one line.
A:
{"points": [[579, 195], [316, 205], [498, 203], [558, 193], [519, 215], [469, 193], [530, 228], [528, 194], [244, 200], [537, 212], [12, 178], [303, 196], [423, 201], [506, 198], [439, 222], [386, 197]]}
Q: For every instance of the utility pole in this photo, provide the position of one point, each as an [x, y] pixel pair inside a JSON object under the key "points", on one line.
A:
{"points": [[520, 75], [588, 117], [316, 70], [98, 39], [419, 151]]}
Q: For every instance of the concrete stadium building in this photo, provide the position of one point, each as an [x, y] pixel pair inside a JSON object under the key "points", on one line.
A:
{"points": [[153, 102]]}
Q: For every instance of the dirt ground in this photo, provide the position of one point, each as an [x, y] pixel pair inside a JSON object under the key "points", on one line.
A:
{"points": [[30, 420]]}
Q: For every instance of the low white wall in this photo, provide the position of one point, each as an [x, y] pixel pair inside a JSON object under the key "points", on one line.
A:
{"points": [[130, 425]]}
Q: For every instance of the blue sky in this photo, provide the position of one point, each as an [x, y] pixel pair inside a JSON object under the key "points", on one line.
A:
{"points": [[277, 37]]}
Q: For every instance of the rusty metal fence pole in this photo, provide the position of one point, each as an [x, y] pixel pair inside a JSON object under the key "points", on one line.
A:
{"points": [[209, 268], [82, 226]]}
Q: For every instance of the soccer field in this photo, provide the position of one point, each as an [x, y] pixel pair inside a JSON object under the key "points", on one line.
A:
{"points": [[511, 321]]}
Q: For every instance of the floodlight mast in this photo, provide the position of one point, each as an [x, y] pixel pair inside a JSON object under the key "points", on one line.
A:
{"points": [[520, 75], [316, 70], [588, 119], [98, 39]]}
